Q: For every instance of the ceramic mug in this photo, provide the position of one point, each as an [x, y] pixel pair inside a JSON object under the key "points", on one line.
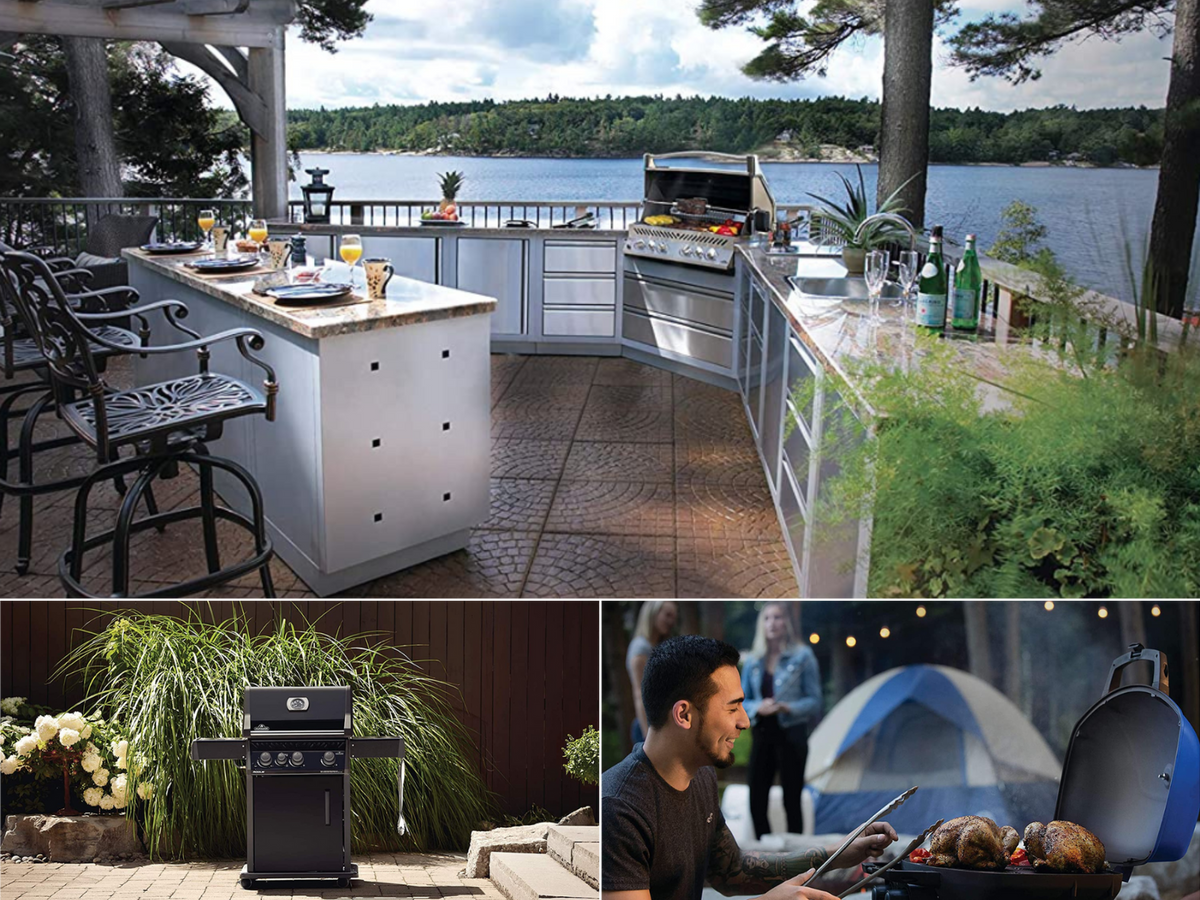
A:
{"points": [[220, 238], [379, 273], [280, 252]]}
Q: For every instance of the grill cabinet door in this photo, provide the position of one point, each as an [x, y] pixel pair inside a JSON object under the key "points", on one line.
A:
{"points": [[292, 832]]}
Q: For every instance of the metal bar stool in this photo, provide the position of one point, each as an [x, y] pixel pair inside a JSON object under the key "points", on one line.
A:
{"points": [[164, 424], [21, 356]]}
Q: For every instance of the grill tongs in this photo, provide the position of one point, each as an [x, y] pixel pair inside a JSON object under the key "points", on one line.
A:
{"points": [[895, 804]]}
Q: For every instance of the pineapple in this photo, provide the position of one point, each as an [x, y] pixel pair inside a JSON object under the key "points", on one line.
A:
{"points": [[451, 183]]}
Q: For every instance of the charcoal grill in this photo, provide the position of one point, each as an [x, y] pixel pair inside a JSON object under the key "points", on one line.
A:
{"points": [[296, 747], [1131, 776]]}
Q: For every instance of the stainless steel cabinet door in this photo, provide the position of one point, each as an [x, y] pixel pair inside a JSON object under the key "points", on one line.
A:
{"points": [[412, 257], [497, 268], [773, 378]]}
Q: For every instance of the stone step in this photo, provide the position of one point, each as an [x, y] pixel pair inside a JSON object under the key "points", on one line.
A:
{"points": [[531, 876], [566, 844], [585, 862]]}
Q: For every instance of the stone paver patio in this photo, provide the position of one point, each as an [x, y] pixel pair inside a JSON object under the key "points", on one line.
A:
{"points": [[380, 875], [610, 478]]}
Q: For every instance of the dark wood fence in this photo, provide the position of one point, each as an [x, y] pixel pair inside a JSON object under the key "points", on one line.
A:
{"points": [[528, 673]]}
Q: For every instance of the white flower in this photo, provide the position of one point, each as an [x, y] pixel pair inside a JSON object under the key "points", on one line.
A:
{"points": [[119, 802], [121, 763], [26, 745], [86, 731], [68, 737], [72, 720], [106, 802], [100, 778], [46, 726], [120, 748], [118, 786], [90, 748], [145, 790], [1, 740], [10, 705], [90, 763], [92, 796], [10, 765]]}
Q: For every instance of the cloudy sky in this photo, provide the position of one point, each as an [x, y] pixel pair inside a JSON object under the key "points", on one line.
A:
{"points": [[514, 49]]}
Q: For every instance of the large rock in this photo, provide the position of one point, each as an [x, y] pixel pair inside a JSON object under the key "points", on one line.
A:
{"points": [[520, 839], [1179, 878], [1139, 887], [585, 815], [69, 838]]}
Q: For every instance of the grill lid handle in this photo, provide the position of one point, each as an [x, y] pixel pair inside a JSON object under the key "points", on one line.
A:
{"points": [[1138, 653], [750, 161]]}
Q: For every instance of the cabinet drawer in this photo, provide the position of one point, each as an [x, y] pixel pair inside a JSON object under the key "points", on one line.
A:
{"points": [[579, 322], [659, 298], [580, 256], [680, 339], [579, 292]]}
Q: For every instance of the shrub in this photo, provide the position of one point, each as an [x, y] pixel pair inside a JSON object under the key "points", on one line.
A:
{"points": [[169, 680], [583, 756]]}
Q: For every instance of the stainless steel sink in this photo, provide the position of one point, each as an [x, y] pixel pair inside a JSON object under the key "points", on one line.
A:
{"points": [[841, 289]]}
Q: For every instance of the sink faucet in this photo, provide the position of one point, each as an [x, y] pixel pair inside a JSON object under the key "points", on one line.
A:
{"points": [[888, 217]]}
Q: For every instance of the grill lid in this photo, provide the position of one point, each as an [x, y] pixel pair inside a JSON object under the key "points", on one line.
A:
{"points": [[298, 710], [1132, 771], [729, 190]]}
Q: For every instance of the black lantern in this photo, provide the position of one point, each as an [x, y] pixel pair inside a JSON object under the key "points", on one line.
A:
{"points": [[317, 196]]}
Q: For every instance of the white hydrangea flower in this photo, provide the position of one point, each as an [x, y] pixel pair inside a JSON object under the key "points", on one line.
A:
{"points": [[92, 796], [145, 790], [119, 802], [26, 745], [86, 731], [10, 705], [72, 720], [106, 802], [121, 763], [46, 726], [90, 763], [118, 787], [10, 765], [100, 778], [120, 748], [90, 748], [69, 737]]}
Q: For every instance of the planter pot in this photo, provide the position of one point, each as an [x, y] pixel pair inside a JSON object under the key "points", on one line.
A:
{"points": [[855, 259]]}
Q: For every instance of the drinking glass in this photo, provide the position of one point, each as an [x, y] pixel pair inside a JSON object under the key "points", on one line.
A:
{"points": [[875, 271], [350, 249], [910, 268], [206, 220], [258, 231]]}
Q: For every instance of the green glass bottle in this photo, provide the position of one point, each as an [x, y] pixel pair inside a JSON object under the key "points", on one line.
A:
{"points": [[968, 283], [931, 288]]}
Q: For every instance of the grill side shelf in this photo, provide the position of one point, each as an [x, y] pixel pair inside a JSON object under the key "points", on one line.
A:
{"points": [[218, 748], [377, 748]]}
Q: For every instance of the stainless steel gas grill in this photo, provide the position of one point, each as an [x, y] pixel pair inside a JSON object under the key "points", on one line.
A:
{"points": [[678, 286], [296, 748]]}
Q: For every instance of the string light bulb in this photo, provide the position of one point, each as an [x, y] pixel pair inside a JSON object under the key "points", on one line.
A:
{"points": [[814, 638], [1155, 611], [1102, 612], [850, 641], [1048, 605], [885, 632], [920, 612]]}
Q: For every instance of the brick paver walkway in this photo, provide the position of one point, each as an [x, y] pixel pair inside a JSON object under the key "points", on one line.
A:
{"points": [[609, 479], [428, 876]]}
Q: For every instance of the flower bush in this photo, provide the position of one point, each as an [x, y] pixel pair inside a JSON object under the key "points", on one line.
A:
{"points": [[86, 750]]}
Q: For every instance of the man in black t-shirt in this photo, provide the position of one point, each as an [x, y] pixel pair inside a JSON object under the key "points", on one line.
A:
{"points": [[662, 829]]}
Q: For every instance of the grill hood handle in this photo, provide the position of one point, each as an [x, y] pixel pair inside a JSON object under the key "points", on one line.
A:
{"points": [[750, 161], [385, 748], [1138, 653]]}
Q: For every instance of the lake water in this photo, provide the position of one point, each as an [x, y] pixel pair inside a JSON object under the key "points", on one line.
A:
{"points": [[1090, 214]]}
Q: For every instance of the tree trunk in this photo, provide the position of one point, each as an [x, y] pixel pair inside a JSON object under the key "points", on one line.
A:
{"points": [[95, 147], [978, 653], [712, 619], [904, 121], [689, 616], [1133, 623], [1190, 696], [1174, 224], [615, 644], [1012, 654]]}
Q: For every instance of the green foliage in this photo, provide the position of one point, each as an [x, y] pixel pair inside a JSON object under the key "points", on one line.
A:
{"points": [[169, 681], [450, 183], [583, 756], [1020, 239], [322, 22], [845, 218]]}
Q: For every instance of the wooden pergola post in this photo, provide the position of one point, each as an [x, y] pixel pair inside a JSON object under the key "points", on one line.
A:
{"points": [[208, 34]]}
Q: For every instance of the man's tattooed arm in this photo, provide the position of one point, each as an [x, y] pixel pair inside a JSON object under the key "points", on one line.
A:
{"points": [[732, 870]]}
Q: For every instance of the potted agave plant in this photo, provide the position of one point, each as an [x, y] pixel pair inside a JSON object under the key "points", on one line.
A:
{"points": [[843, 220]]}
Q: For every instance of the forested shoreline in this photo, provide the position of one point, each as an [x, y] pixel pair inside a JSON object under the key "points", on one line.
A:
{"points": [[786, 129]]}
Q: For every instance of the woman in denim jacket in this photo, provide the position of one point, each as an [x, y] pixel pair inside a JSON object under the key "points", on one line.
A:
{"points": [[782, 685]]}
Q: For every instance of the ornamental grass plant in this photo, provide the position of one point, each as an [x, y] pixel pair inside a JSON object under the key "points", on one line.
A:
{"points": [[168, 680]]}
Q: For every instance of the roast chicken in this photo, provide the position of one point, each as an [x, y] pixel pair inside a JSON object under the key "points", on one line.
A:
{"points": [[1063, 847], [970, 842]]}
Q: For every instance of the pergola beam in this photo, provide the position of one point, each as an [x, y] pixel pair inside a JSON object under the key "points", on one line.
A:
{"points": [[250, 106]]}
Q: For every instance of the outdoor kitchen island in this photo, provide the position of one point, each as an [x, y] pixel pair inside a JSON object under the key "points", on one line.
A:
{"points": [[379, 456]]}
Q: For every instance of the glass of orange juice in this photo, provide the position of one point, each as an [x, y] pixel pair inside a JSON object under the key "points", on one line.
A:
{"points": [[350, 249], [206, 220], [257, 231]]}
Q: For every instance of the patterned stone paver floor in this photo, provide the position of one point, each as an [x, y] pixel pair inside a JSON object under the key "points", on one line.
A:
{"points": [[428, 876], [610, 478]]}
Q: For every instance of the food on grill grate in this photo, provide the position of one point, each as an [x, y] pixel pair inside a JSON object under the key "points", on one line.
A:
{"points": [[1011, 839], [1063, 847], [693, 206], [968, 842], [661, 220]]}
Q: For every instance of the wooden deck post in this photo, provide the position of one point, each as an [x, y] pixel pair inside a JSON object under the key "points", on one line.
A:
{"points": [[268, 152]]}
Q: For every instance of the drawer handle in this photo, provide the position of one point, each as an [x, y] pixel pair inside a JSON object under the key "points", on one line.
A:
{"points": [[327, 807]]}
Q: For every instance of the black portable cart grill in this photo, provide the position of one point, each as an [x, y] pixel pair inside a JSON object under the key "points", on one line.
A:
{"points": [[296, 747], [1131, 776]]}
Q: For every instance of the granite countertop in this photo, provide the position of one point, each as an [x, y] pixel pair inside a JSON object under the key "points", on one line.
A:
{"points": [[408, 302], [843, 340], [571, 234]]}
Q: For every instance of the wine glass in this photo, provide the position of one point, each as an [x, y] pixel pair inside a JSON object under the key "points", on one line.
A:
{"points": [[875, 271], [257, 232], [206, 220], [350, 249], [910, 268]]}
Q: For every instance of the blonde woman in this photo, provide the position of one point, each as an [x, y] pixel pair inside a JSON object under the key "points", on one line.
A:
{"points": [[655, 621], [782, 684]]}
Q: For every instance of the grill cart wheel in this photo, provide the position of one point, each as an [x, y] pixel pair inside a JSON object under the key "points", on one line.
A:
{"points": [[247, 884], [343, 882]]}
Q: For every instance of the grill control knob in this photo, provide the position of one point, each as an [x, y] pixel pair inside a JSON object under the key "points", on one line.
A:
{"points": [[651, 245], [328, 758], [264, 758], [685, 251], [281, 759], [712, 254], [639, 244], [662, 248], [297, 758]]}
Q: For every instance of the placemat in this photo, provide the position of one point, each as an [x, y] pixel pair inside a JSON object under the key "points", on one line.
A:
{"points": [[351, 299]]}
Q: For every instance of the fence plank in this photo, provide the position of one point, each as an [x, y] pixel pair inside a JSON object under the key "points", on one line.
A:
{"points": [[20, 651]]}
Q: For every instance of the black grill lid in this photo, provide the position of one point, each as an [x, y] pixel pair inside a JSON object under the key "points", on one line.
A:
{"points": [[298, 709]]}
